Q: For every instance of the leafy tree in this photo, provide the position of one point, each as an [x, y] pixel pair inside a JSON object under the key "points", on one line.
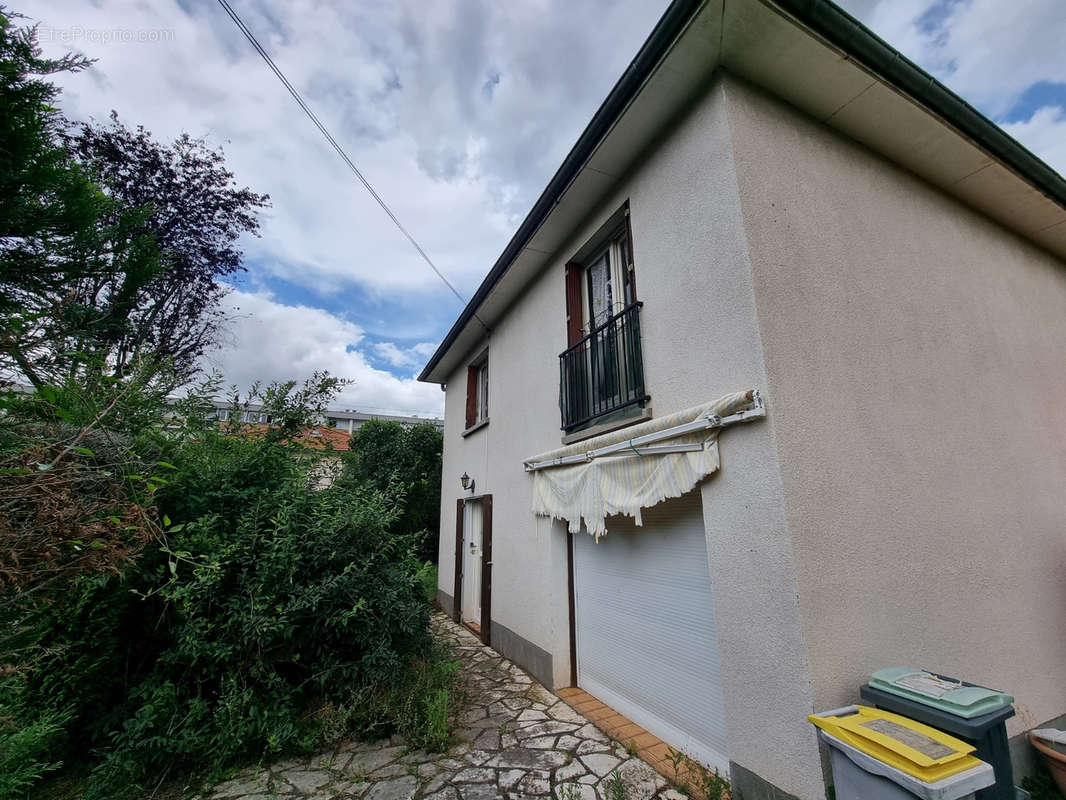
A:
{"points": [[44, 193], [111, 244], [49, 206], [193, 213], [404, 462]]}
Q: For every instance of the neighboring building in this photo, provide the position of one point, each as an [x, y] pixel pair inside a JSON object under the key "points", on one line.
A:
{"points": [[347, 420], [351, 420], [770, 198]]}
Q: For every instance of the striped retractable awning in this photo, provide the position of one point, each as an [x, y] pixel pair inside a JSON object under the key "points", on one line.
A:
{"points": [[629, 480]]}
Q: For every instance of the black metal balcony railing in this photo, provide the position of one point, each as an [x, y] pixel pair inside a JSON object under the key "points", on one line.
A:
{"points": [[604, 371]]}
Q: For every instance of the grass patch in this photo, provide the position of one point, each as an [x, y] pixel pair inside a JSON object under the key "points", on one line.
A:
{"points": [[24, 754], [420, 704], [1040, 785], [427, 579], [691, 777], [616, 788]]}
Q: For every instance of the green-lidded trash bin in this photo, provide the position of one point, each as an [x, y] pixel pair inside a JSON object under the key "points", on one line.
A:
{"points": [[973, 713]]}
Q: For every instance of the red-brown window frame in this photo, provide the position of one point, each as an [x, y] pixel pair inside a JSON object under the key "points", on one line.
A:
{"points": [[575, 272], [472, 373]]}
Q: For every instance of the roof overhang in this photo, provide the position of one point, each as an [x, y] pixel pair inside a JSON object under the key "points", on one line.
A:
{"points": [[819, 59]]}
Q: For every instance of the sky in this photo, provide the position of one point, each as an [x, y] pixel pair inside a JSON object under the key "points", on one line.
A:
{"points": [[458, 112]]}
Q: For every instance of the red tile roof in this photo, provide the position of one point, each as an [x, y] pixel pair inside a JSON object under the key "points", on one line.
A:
{"points": [[317, 437]]}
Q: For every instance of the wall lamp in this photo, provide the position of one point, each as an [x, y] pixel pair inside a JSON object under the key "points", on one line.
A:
{"points": [[467, 482]]}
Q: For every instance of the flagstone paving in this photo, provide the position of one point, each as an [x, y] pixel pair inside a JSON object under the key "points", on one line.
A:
{"points": [[515, 739]]}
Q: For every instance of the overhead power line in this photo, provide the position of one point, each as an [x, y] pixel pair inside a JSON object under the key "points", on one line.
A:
{"points": [[340, 150]]}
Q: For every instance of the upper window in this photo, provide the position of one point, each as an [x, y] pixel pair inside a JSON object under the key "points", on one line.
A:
{"points": [[608, 284], [477, 392], [601, 371]]}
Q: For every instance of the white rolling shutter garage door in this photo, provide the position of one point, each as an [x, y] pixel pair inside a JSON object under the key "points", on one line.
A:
{"points": [[647, 643]]}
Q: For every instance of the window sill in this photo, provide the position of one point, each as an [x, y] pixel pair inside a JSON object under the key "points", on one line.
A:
{"points": [[476, 427], [606, 427]]}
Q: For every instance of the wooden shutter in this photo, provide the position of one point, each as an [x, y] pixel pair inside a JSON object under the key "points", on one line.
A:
{"points": [[457, 596], [630, 267], [471, 396], [573, 303], [486, 569]]}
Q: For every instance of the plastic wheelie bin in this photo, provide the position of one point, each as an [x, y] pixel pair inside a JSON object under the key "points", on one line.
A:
{"points": [[974, 714], [878, 755]]}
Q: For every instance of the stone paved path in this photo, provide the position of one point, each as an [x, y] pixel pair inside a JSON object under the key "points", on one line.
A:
{"points": [[515, 740]]}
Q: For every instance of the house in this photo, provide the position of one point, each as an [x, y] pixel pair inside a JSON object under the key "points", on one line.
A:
{"points": [[313, 437], [327, 443], [772, 199]]}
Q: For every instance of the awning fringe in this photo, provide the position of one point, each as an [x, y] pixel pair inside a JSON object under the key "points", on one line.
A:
{"points": [[622, 472]]}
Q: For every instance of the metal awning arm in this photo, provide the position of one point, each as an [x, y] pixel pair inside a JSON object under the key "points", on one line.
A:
{"points": [[636, 445], [656, 449], [757, 411]]}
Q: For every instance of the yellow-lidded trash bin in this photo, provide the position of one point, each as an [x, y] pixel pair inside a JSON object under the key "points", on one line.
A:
{"points": [[878, 755]]}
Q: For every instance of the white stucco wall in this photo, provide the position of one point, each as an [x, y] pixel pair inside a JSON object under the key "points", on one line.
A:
{"points": [[916, 360], [701, 341], [523, 420]]}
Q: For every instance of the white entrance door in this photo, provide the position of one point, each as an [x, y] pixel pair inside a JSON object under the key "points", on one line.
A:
{"points": [[647, 644], [472, 530]]}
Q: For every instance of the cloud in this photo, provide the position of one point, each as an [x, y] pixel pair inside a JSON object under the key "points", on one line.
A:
{"points": [[413, 356], [988, 51], [268, 340], [393, 354], [457, 110], [993, 51], [1045, 134]]}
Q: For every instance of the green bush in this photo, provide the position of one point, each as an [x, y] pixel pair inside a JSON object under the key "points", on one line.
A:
{"points": [[403, 462], [275, 598], [269, 617], [81, 654]]}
